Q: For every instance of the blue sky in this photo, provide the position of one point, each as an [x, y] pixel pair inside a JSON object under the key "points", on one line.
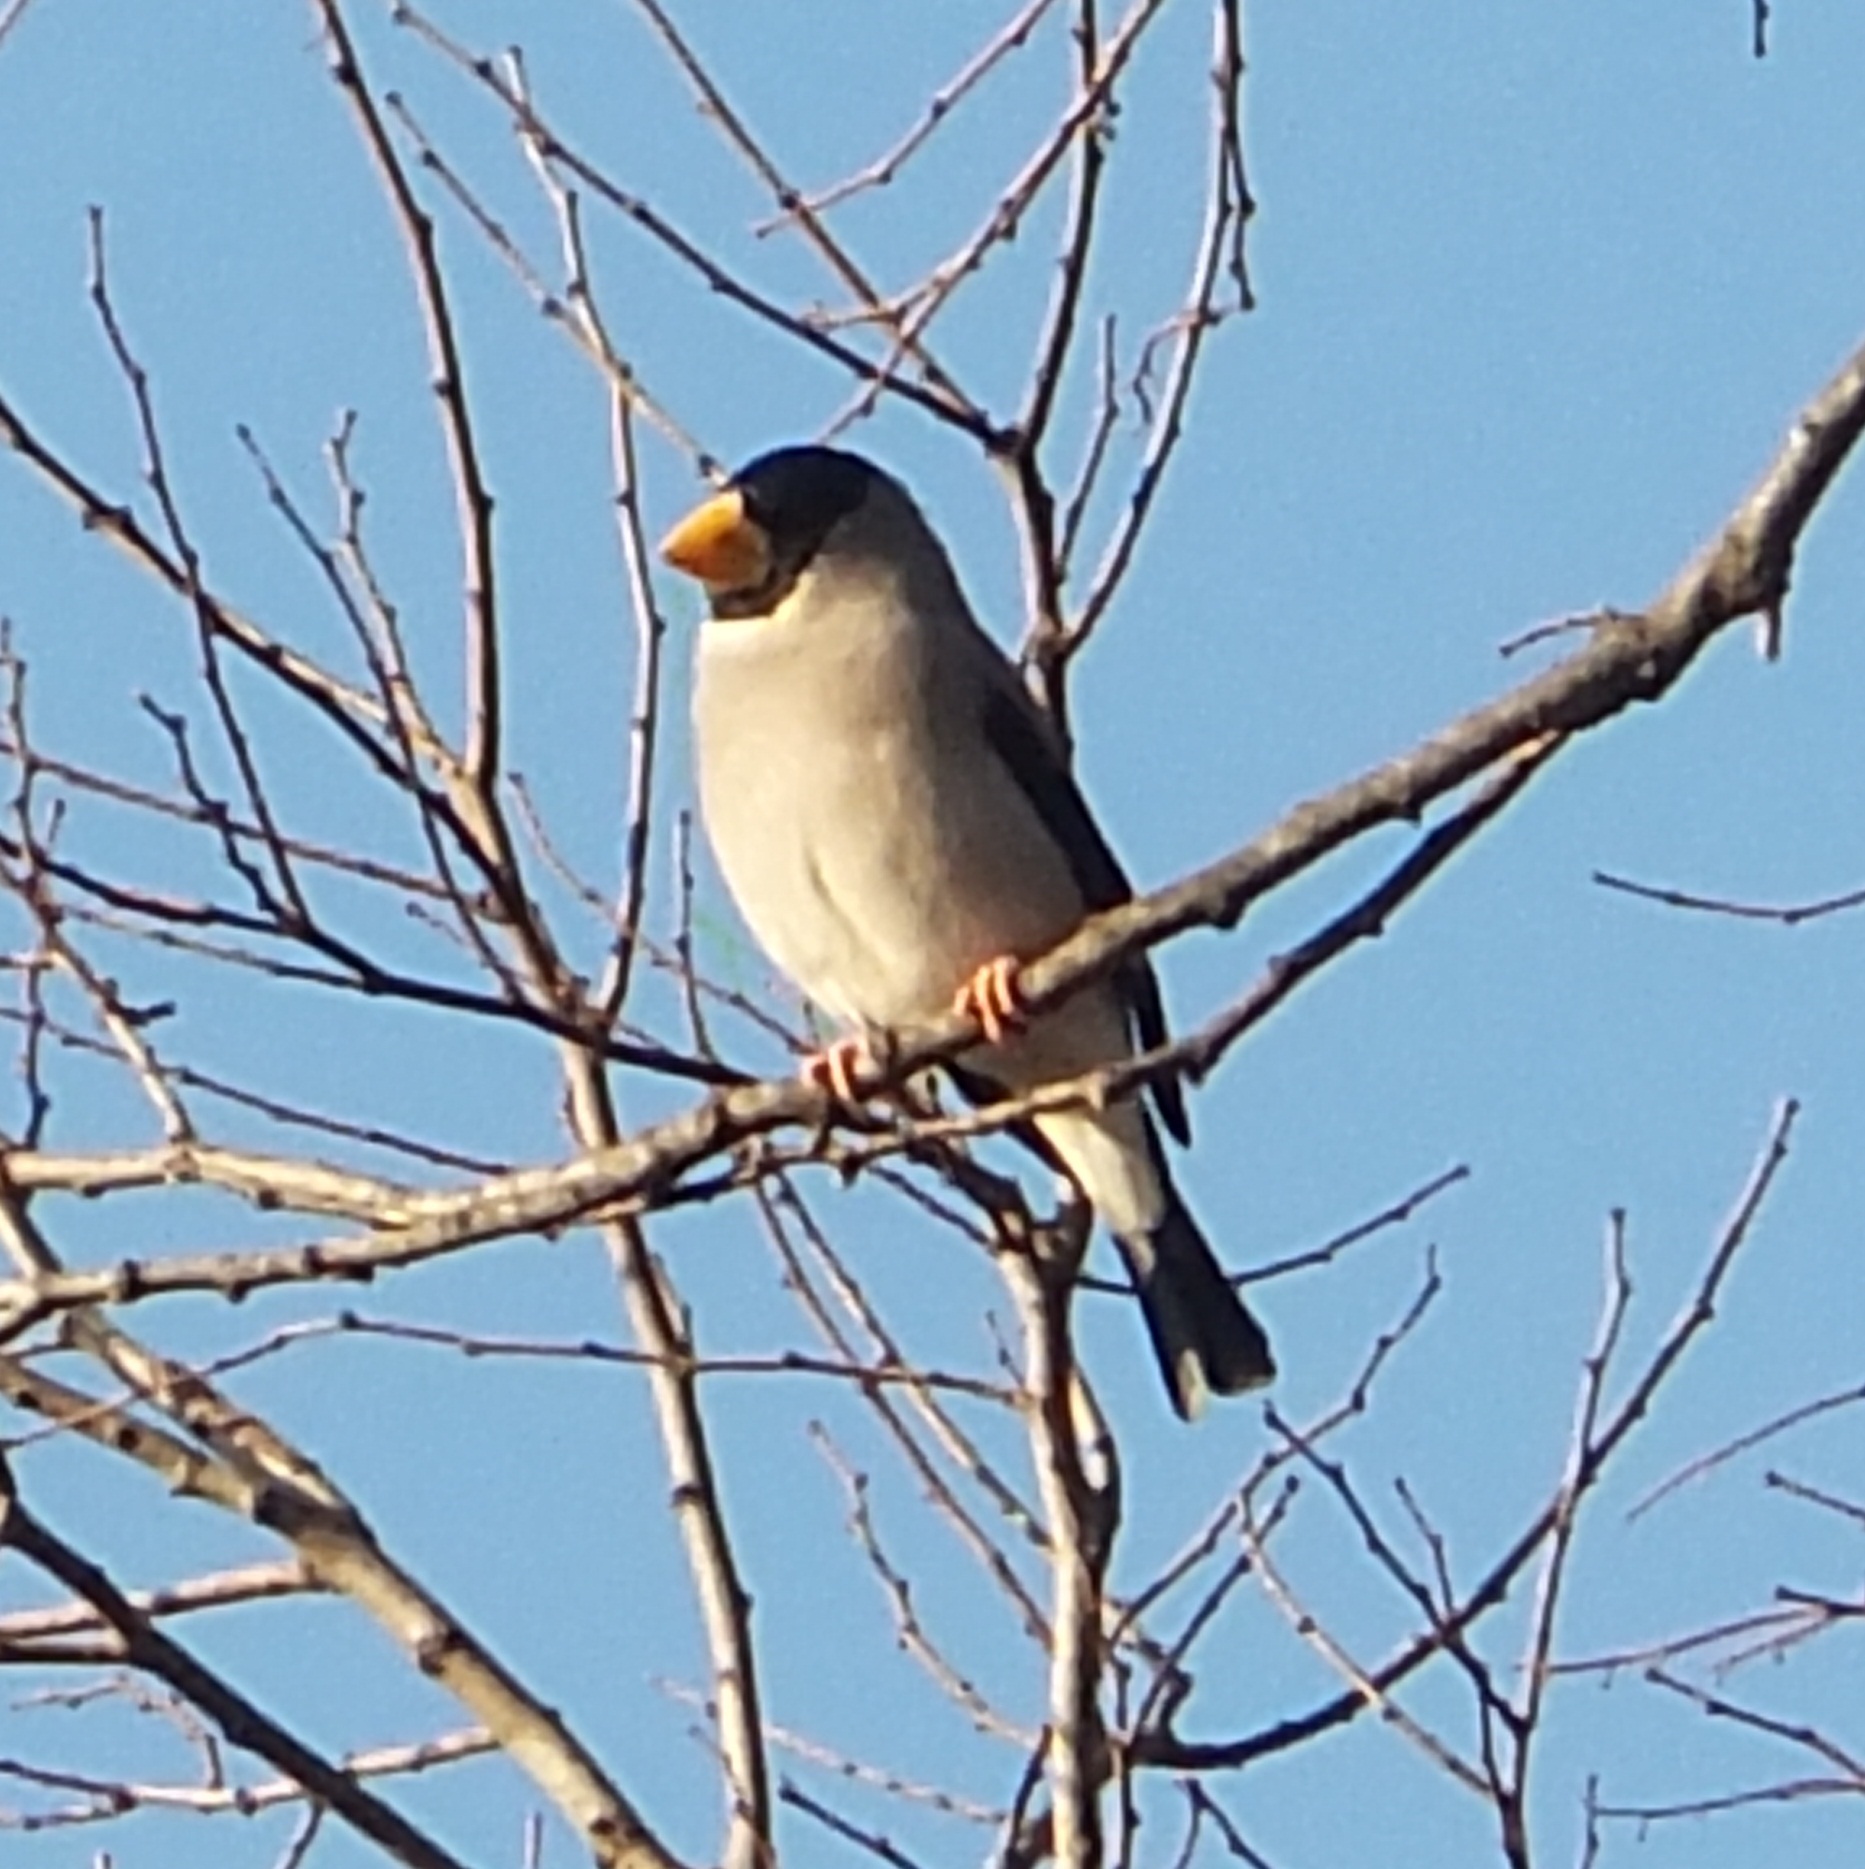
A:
{"points": [[1538, 291]]}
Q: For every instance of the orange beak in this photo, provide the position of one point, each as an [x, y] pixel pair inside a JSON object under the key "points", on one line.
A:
{"points": [[719, 543]]}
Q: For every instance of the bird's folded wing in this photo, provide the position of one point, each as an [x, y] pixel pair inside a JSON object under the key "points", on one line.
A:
{"points": [[1026, 744]]}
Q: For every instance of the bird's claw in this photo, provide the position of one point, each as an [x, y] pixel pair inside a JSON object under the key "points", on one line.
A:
{"points": [[834, 1067], [991, 997]]}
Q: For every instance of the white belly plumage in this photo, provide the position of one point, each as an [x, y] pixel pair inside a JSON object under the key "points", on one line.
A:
{"points": [[850, 876]]}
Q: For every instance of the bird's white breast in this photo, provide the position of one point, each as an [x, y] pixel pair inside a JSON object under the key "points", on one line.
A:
{"points": [[852, 815]]}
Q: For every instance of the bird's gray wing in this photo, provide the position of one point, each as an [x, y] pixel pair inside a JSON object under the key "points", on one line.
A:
{"points": [[1024, 742]]}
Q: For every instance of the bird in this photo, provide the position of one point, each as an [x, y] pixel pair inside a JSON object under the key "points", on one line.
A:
{"points": [[898, 823]]}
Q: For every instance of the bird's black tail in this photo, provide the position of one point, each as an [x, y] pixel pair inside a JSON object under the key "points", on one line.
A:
{"points": [[1206, 1340]]}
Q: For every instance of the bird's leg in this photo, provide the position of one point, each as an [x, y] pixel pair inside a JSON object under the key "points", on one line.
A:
{"points": [[990, 996]]}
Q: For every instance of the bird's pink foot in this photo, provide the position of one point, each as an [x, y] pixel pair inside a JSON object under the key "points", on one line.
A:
{"points": [[990, 996], [834, 1067]]}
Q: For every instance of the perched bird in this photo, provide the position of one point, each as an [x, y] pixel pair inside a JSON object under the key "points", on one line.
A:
{"points": [[898, 824]]}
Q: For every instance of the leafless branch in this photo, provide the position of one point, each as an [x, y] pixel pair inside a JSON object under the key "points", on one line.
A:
{"points": [[485, 704], [1173, 1753], [1078, 1471], [939, 109], [242, 1722], [1789, 916]]}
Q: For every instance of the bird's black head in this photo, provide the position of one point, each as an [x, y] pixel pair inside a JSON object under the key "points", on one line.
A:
{"points": [[797, 494], [794, 496], [750, 543]]}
